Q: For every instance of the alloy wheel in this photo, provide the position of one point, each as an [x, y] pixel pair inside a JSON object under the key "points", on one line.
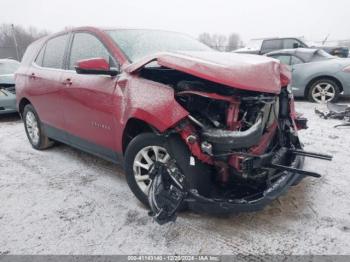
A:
{"points": [[32, 127], [144, 161], [323, 92]]}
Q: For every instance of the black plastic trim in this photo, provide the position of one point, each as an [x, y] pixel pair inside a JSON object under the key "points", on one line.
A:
{"points": [[226, 140], [280, 187], [83, 144]]}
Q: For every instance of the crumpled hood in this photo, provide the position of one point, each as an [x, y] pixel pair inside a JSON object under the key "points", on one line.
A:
{"points": [[242, 71]]}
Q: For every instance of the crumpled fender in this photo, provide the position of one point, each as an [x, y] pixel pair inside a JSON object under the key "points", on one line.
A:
{"points": [[151, 102]]}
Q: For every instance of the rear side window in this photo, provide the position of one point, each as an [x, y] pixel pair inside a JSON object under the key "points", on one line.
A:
{"points": [[296, 60], [271, 45], [54, 52], [285, 59], [40, 57], [32, 52], [87, 46]]}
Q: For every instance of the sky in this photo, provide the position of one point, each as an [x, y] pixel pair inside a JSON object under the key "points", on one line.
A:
{"points": [[311, 19]]}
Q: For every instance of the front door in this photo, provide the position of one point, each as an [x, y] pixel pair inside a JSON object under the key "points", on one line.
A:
{"points": [[89, 101]]}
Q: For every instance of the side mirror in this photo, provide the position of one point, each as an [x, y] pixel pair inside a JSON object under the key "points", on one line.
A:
{"points": [[94, 66], [296, 45]]}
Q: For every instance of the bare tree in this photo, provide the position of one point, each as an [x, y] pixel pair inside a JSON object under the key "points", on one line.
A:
{"points": [[205, 38], [233, 42], [10, 34], [220, 42]]}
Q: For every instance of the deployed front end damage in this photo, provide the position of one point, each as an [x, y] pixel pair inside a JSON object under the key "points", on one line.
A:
{"points": [[239, 146]]}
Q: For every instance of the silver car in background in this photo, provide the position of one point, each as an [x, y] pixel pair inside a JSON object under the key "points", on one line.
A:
{"points": [[7, 85], [316, 75]]}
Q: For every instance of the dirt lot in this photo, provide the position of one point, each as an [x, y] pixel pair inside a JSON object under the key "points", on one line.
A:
{"points": [[63, 201]]}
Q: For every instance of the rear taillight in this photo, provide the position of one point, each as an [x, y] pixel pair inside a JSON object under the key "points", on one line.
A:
{"points": [[285, 75], [284, 80]]}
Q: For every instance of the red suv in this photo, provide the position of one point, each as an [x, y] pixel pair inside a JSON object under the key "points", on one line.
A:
{"points": [[193, 127]]}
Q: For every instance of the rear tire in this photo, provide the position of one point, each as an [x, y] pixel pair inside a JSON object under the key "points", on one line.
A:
{"points": [[323, 90], [34, 129]]}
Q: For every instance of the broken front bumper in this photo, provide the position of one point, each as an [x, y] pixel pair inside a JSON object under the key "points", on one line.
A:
{"points": [[221, 206]]}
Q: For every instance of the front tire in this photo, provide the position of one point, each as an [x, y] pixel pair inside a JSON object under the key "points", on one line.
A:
{"points": [[140, 155], [34, 130], [147, 148], [324, 90]]}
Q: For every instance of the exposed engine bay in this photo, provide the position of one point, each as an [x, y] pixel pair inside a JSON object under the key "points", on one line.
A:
{"points": [[243, 148]]}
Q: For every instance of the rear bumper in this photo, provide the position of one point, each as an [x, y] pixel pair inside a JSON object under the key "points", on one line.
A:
{"points": [[224, 206]]}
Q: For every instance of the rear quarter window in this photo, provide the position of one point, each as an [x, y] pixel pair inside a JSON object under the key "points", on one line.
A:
{"points": [[296, 60], [54, 52], [40, 57], [285, 59], [31, 52]]}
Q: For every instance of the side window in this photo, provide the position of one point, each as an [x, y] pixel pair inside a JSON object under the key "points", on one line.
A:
{"points": [[285, 59], [87, 46], [40, 57], [271, 45], [296, 60], [291, 43], [54, 52]]}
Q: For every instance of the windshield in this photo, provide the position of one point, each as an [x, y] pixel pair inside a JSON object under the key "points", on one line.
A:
{"points": [[136, 43], [8, 67]]}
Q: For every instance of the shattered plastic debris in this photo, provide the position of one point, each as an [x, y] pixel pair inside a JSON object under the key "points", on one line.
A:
{"points": [[335, 111]]}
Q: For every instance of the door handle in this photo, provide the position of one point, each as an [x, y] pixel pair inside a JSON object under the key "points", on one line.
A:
{"points": [[67, 82], [32, 76]]}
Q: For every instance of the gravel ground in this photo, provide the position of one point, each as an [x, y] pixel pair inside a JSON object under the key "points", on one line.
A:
{"points": [[63, 201]]}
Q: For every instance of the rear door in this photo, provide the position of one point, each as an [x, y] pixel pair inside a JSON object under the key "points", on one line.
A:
{"points": [[44, 78], [90, 106]]}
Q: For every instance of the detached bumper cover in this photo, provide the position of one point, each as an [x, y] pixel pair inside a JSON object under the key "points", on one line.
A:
{"points": [[221, 206]]}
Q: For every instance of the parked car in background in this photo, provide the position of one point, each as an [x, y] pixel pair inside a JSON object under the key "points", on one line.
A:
{"points": [[340, 51], [192, 126], [7, 85], [266, 45], [316, 75]]}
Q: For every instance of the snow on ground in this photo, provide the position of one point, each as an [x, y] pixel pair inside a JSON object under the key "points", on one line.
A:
{"points": [[63, 201]]}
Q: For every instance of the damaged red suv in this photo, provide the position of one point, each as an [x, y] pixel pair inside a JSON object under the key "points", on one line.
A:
{"points": [[193, 128]]}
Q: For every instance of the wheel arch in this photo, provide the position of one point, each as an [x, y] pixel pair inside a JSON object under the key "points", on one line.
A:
{"points": [[22, 103], [317, 78], [133, 128]]}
